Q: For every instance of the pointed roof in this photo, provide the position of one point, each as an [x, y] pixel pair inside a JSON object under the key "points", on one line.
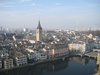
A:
{"points": [[39, 25]]}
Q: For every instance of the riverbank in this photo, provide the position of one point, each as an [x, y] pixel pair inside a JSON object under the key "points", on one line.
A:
{"points": [[47, 60], [72, 65], [37, 62]]}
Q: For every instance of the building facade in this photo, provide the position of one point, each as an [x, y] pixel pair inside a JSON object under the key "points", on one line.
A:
{"points": [[58, 50], [20, 60], [43, 55], [80, 47], [8, 63], [31, 57]]}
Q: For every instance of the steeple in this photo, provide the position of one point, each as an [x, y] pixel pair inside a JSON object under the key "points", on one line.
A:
{"points": [[39, 32], [39, 25]]}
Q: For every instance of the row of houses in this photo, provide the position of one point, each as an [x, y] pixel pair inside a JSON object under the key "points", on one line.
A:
{"points": [[27, 56], [10, 62]]}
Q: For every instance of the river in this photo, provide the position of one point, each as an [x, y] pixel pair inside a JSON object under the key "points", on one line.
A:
{"points": [[69, 66]]}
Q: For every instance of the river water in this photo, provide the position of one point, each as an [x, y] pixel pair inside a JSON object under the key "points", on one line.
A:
{"points": [[69, 66]]}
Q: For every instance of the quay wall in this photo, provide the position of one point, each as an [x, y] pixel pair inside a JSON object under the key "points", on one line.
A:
{"points": [[47, 60], [37, 62]]}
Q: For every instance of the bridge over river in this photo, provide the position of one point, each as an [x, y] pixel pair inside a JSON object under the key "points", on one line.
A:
{"points": [[89, 54]]}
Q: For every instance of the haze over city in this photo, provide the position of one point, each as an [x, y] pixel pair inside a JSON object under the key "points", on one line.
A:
{"points": [[53, 14], [49, 37]]}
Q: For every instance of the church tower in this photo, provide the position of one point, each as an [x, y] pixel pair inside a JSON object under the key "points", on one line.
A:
{"points": [[39, 32]]}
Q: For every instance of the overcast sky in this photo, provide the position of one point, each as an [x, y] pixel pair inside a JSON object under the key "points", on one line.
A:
{"points": [[53, 14]]}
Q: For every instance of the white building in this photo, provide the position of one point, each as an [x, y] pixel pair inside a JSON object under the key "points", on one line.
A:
{"points": [[43, 55], [37, 56], [8, 63], [30, 54], [80, 47], [40, 55], [20, 60], [30, 57]]}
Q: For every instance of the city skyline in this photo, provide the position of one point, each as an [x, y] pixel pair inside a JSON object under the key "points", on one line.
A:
{"points": [[53, 14]]}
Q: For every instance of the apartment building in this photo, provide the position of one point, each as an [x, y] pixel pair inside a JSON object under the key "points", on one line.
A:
{"points": [[8, 63]]}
